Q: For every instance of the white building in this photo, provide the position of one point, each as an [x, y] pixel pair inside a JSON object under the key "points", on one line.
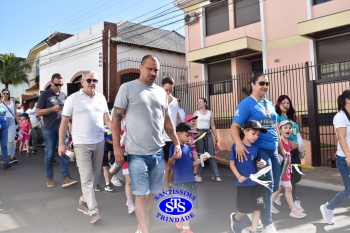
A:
{"points": [[114, 54]]}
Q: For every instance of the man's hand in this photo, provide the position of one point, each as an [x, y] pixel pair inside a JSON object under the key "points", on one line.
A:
{"points": [[261, 163], [56, 108], [241, 152], [62, 149], [119, 155]]}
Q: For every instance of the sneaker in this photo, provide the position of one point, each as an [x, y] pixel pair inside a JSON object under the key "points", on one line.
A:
{"points": [[27, 154], [7, 165], [50, 183], [34, 151], [98, 188], [327, 214], [131, 208], [82, 207], [13, 160], [297, 204], [197, 178], [269, 229], [296, 213], [278, 199], [95, 218], [216, 178], [115, 181], [274, 210], [109, 188], [68, 182], [235, 225], [186, 231]]}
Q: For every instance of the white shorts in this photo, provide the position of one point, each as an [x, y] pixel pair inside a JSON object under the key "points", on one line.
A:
{"points": [[125, 171], [286, 184]]}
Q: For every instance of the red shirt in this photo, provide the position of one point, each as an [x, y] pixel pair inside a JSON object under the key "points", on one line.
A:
{"points": [[25, 126], [288, 175]]}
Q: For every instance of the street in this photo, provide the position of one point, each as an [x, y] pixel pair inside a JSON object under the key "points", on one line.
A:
{"points": [[27, 205]]}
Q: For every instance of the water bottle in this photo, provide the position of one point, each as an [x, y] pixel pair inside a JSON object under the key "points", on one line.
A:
{"points": [[114, 168], [257, 160]]}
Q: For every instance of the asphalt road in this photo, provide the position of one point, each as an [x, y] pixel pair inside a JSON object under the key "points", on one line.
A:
{"points": [[28, 206]]}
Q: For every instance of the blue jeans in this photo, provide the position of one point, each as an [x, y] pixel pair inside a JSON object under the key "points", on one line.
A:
{"points": [[271, 158], [344, 195], [11, 127], [3, 140], [50, 141], [146, 173]]}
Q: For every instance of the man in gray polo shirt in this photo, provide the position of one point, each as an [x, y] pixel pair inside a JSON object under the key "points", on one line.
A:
{"points": [[145, 106], [50, 105]]}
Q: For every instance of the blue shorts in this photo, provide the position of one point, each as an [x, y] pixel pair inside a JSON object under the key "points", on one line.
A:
{"points": [[146, 173]]}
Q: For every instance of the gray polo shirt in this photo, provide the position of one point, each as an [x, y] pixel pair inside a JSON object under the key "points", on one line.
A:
{"points": [[146, 107], [48, 99]]}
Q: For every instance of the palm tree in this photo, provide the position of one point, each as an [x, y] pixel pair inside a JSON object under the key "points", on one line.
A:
{"points": [[12, 70]]}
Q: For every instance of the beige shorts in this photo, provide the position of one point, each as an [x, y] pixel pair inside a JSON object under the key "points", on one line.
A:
{"points": [[286, 184]]}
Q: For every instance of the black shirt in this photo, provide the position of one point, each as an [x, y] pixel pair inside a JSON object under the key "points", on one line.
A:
{"points": [[49, 99]]}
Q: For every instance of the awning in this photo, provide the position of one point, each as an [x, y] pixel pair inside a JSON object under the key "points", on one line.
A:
{"points": [[322, 27], [245, 46]]}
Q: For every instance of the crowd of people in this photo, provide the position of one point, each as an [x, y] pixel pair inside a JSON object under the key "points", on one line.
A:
{"points": [[150, 138]]}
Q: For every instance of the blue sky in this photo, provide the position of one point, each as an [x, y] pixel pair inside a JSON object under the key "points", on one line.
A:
{"points": [[26, 23]]}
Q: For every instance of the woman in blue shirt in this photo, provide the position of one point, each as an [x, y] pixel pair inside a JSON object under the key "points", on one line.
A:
{"points": [[4, 135], [257, 107]]}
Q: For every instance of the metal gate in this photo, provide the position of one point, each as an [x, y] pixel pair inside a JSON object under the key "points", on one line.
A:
{"points": [[322, 94]]}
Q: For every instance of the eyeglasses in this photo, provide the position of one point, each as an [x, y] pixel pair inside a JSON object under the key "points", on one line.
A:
{"points": [[57, 84], [91, 80], [262, 83], [5, 93]]}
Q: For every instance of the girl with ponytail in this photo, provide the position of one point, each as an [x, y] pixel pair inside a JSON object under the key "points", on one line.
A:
{"points": [[341, 124]]}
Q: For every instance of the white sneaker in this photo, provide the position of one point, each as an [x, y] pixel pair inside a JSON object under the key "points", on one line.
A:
{"points": [[115, 181], [197, 178], [327, 214], [131, 208], [278, 199], [269, 229], [274, 210], [250, 216], [299, 207]]}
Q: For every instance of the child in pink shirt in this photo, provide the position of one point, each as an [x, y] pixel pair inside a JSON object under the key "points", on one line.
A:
{"points": [[24, 128]]}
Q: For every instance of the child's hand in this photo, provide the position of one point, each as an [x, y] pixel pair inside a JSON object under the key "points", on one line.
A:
{"points": [[261, 163], [241, 179], [176, 156]]}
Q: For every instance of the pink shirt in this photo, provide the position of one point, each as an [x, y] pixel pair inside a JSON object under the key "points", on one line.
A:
{"points": [[25, 126], [288, 175]]}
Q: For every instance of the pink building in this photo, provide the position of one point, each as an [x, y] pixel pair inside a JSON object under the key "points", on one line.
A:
{"points": [[225, 38]]}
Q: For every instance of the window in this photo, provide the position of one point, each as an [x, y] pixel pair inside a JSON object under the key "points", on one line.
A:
{"points": [[216, 18], [36, 67], [246, 12], [315, 2], [333, 52], [220, 78]]}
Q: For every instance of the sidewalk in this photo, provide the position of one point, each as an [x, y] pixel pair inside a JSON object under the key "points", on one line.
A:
{"points": [[321, 177]]}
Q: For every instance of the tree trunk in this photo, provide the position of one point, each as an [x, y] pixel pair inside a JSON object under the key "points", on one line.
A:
{"points": [[6, 85]]}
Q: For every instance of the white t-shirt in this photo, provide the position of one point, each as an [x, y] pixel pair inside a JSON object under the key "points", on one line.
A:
{"points": [[203, 121], [87, 117], [32, 114], [182, 114], [341, 121]]}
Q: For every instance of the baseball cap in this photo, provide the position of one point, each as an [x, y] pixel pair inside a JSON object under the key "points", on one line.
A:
{"points": [[252, 124], [184, 127], [282, 123], [190, 117]]}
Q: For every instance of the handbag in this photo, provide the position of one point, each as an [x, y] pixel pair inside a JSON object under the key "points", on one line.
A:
{"points": [[34, 124]]}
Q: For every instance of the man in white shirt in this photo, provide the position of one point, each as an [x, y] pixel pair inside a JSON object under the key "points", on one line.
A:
{"points": [[89, 112]]}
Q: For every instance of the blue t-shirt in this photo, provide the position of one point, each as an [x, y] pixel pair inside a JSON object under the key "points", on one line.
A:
{"points": [[248, 110], [295, 127], [246, 167], [107, 137], [183, 167], [2, 115]]}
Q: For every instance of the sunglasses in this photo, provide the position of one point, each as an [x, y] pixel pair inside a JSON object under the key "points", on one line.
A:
{"points": [[91, 80], [58, 84], [5, 93], [262, 83]]}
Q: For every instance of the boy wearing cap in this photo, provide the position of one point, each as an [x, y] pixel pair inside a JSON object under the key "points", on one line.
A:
{"points": [[183, 168], [249, 198], [191, 120], [285, 129]]}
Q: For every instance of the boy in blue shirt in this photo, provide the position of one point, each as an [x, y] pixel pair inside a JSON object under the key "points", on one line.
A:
{"points": [[249, 196], [183, 168]]}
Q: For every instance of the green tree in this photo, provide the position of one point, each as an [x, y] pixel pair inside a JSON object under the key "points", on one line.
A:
{"points": [[12, 70]]}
